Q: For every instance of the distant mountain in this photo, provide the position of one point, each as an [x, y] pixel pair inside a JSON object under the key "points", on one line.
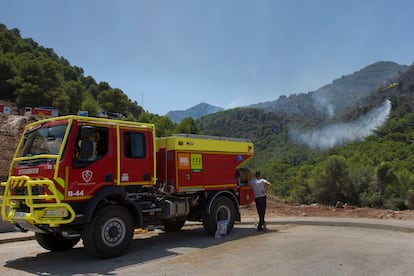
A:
{"points": [[339, 95], [195, 112], [322, 104]]}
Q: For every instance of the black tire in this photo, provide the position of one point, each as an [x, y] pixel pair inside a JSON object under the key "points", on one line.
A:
{"points": [[53, 242], [173, 225], [109, 233], [222, 210]]}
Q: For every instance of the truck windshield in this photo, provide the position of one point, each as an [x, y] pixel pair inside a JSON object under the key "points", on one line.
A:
{"points": [[45, 139]]}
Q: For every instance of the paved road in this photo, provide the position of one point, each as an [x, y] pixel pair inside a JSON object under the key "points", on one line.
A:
{"points": [[283, 250]]}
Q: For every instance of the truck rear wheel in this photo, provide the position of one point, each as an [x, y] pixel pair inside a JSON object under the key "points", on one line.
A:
{"points": [[109, 233], [53, 242], [222, 210]]}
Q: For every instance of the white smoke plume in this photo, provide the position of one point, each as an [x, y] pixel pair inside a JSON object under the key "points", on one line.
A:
{"points": [[323, 103], [342, 133]]}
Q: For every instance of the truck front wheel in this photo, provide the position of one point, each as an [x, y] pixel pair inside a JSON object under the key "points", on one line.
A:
{"points": [[109, 233], [222, 210], [53, 242]]}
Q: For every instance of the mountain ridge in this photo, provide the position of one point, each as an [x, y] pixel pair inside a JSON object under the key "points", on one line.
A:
{"points": [[195, 112], [324, 102]]}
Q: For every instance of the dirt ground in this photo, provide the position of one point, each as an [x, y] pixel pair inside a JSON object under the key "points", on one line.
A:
{"points": [[12, 126], [279, 208]]}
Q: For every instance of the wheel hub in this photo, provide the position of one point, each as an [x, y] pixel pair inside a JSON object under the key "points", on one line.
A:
{"points": [[223, 214], [113, 232]]}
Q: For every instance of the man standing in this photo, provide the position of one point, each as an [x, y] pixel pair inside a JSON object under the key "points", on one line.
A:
{"points": [[260, 187]]}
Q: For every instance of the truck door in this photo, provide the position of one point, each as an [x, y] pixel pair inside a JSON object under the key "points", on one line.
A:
{"points": [[93, 161], [137, 157]]}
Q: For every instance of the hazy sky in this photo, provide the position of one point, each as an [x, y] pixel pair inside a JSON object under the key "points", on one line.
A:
{"points": [[174, 54]]}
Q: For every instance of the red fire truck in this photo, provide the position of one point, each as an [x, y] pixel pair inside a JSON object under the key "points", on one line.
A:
{"points": [[41, 112], [98, 180]]}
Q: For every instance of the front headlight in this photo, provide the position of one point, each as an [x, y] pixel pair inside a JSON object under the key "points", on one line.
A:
{"points": [[56, 213]]}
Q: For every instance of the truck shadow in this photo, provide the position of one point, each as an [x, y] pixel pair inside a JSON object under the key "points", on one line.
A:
{"points": [[145, 248]]}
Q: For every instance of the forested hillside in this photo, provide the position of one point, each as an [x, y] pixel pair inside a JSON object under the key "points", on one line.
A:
{"points": [[33, 75]]}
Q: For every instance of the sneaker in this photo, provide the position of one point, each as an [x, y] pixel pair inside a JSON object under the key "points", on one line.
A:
{"points": [[260, 228]]}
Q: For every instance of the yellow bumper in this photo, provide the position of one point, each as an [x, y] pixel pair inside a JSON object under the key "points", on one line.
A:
{"points": [[39, 208]]}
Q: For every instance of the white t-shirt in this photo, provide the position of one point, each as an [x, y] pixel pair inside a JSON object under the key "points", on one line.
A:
{"points": [[258, 186]]}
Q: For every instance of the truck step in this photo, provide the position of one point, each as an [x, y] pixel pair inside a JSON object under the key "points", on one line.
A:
{"points": [[151, 210]]}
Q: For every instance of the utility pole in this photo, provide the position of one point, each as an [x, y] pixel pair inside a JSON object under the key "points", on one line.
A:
{"points": [[142, 100]]}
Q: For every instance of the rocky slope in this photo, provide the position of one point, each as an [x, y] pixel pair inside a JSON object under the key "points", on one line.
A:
{"points": [[11, 127]]}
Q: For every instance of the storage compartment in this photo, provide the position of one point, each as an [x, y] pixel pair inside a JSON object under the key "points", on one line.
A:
{"points": [[194, 163]]}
